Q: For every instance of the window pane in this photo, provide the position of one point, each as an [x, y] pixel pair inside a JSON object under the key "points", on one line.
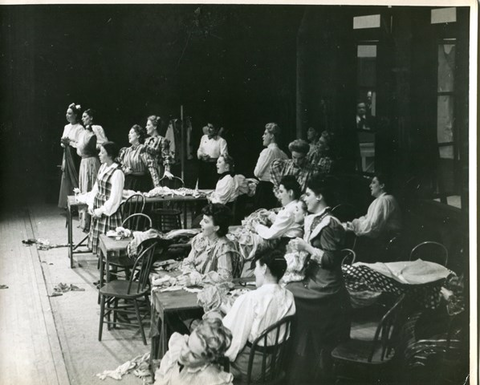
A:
{"points": [[367, 51], [445, 123], [444, 15], [370, 21], [366, 72], [446, 67]]}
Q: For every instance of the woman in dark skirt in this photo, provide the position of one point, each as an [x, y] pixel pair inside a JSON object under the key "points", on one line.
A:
{"points": [[323, 305], [141, 171]]}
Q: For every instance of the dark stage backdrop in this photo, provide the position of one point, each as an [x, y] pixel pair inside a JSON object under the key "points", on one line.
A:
{"points": [[234, 66]]}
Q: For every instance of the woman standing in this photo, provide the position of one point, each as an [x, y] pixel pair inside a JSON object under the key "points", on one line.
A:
{"points": [[137, 164], [212, 145], [87, 119], [323, 305], [68, 141], [105, 198], [87, 150], [157, 146]]}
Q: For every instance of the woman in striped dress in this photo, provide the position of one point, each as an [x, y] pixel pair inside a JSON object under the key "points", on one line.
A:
{"points": [[157, 146], [137, 164], [105, 198]]}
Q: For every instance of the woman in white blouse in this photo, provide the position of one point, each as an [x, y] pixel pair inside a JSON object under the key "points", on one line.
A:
{"points": [[68, 141], [264, 196], [383, 217], [283, 223], [105, 198], [212, 145], [229, 185]]}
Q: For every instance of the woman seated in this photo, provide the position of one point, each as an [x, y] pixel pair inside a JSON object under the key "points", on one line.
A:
{"points": [[321, 299], [383, 217], [283, 223], [193, 359], [255, 311], [211, 257], [229, 185], [106, 195], [137, 164]]}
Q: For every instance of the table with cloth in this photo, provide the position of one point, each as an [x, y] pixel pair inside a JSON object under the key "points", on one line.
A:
{"points": [[420, 280]]}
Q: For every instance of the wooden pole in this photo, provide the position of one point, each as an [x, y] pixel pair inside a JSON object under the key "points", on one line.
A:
{"points": [[182, 136]]}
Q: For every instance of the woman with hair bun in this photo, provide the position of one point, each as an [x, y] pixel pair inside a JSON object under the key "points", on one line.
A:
{"points": [[68, 141], [87, 119], [157, 146], [137, 164]]}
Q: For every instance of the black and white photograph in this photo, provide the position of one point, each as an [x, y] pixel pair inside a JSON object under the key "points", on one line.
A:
{"points": [[258, 193]]}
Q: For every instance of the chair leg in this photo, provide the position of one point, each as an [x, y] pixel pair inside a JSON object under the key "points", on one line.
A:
{"points": [[100, 283], [102, 309], [110, 309], [137, 311]]}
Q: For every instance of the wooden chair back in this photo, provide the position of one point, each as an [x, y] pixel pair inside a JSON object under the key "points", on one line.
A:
{"points": [[430, 251], [137, 222], [134, 204]]}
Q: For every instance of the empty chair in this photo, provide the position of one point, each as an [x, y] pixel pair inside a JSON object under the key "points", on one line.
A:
{"points": [[348, 257], [133, 204], [368, 361], [344, 212], [430, 251], [130, 291], [137, 222], [167, 219]]}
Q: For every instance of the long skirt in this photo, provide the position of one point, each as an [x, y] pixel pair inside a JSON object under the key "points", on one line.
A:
{"points": [[87, 176], [264, 196], [142, 183], [320, 325], [69, 177], [207, 175]]}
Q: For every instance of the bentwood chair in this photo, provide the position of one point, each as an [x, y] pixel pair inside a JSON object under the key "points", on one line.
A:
{"points": [[348, 257], [130, 291], [134, 204], [137, 222], [430, 251], [272, 357], [368, 361]]}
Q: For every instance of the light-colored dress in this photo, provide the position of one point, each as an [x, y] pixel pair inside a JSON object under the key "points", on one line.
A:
{"points": [[100, 134], [69, 171], [86, 149]]}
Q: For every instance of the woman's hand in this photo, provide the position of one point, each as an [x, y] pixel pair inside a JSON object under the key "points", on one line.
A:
{"points": [[65, 141], [127, 170], [97, 213], [298, 244]]}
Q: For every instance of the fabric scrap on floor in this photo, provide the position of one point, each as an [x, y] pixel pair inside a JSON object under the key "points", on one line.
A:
{"points": [[64, 288], [43, 244], [138, 366], [3, 287]]}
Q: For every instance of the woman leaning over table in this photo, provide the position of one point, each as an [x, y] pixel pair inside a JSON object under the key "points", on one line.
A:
{"points": [[105, 198], [157, 146], [68, 141], [137, 164], [322, 302]]}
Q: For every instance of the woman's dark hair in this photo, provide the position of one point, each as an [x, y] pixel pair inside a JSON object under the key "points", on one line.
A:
{"points": [[156, 120], [90, 112], [275, 262], [299, 145], [290, 183], [383, 179], [324, 187], [141, 132], [111, 149], [77, 110], [221, 215], [228, 160]]}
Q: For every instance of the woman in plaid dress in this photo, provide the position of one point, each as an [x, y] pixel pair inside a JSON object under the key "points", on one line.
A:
{"points": [[105, 198]]}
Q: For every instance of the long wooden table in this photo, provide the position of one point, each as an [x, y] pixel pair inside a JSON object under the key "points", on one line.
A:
{"points": [[73, 203]]}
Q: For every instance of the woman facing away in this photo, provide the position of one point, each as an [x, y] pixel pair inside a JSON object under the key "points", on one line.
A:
{"points": [[69, 141], [137, 164]]}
